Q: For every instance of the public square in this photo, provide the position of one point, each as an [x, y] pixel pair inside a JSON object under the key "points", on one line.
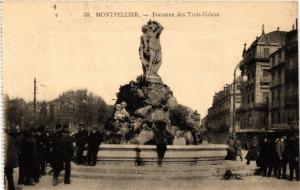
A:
{"points": [[128, 182]]}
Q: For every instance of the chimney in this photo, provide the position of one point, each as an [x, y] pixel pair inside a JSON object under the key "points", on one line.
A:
{"points": [[263, 29], [278, 28], [293, 27]]}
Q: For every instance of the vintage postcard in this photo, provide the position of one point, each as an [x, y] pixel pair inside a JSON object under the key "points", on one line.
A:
{"points": [[150, 95]]}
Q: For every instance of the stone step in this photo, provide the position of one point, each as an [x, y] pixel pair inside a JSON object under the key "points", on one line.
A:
{"points": [[165, 172], [158, 176], [137, 169], [141, 177]]}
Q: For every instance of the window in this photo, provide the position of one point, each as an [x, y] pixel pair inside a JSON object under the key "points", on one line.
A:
{"points": [[266, 52], [266, 73], [279, 55], [250, 118], [266, 97]]}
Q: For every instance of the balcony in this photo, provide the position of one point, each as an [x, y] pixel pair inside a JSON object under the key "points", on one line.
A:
{"points": [[275, 83], [261, 105], [292, 100], [275, 105], [265, 80]]}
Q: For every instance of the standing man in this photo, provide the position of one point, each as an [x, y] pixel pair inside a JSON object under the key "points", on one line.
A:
{"points": [[160, 137], [81, 140], [20, 139], [231, 151], [94, 142], [57, 154], [280, 146], [238, 147], [42, 149], [11, 157], [263, 156], [253, 151], [67, 146], [29, 156], [294, 157]]}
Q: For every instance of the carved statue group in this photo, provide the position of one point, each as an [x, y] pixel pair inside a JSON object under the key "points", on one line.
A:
{"points": [[150, 49]]}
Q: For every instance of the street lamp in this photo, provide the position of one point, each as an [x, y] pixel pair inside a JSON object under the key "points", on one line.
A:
{"points": [[244, 78]]}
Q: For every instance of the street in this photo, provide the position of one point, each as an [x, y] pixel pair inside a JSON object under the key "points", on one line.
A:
{"points": [[251, 182], [215, 182]]}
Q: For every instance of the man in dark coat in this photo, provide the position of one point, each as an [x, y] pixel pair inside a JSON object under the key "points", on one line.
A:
{"points": [[36, 162], [11, 157], [57, 154], [68, 148], [253, 150], [94, 142], [20, 138], [81, 140], [160, 138], [41, 140], [263, 156], [231, 151], [29, 156], [294, 157], [273, 159], [285, 157]]}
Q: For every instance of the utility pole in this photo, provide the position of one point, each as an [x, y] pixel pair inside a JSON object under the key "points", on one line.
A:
{"points": [[34, 97]]}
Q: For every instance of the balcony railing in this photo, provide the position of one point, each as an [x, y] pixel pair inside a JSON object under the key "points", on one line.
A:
{"points": [[265, 80], [275, 83]]}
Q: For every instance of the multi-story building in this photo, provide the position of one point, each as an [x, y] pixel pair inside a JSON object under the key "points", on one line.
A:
{"points": [[203, 125], [220, 114], [277, 89], [255, 91], [283, 103], [291, 79]]}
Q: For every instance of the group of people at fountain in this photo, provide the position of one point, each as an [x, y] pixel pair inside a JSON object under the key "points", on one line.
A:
{"points": [[37, 150], [272, 155]]}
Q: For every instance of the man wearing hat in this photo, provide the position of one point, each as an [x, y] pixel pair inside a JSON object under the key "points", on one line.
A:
{"points": [[57, 154], [81, 140], [94, 142], [68, 152]]}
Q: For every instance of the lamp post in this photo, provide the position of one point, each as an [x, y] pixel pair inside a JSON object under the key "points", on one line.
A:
{"points": [[234, 93]]}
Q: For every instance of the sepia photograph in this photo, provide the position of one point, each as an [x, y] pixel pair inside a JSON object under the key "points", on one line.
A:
{"points": [[149, 95]]}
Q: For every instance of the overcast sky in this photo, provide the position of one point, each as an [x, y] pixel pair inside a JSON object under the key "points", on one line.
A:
{"points": [[65, 50]]}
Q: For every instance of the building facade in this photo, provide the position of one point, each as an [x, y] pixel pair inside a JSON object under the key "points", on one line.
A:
{"points": [[255, 91], [277, 89], [220, 114], [291, 80]]}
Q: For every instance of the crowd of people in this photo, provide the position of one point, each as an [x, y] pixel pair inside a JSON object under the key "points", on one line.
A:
{"points": [[272, 155], [33, 150]]}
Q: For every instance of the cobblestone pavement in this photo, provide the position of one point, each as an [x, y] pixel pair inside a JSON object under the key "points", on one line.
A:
{"points": [[249, 183]]}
